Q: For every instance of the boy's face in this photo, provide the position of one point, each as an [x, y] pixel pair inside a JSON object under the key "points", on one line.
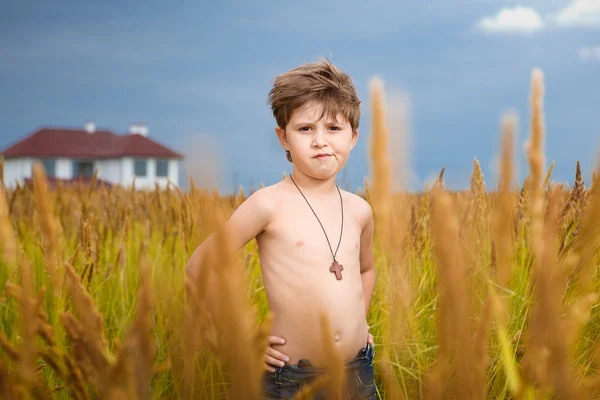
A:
{"points": [[319, 148]]}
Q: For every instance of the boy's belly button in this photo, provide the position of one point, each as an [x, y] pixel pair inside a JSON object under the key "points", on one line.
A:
{"points": [[337, 337]]}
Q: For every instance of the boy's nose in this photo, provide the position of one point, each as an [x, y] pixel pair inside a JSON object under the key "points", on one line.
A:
{"points": [[319, 139]]}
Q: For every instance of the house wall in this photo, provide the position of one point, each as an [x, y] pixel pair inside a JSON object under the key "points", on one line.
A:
{"points": [[116, 171], [109, 170], [63, 168], [126, 171], [174, 172], [147, 182], [16, 170]]}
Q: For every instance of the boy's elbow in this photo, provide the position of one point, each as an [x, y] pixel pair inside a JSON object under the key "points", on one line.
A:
{"points": [[190, 270], [193, 264], [368, 267]]}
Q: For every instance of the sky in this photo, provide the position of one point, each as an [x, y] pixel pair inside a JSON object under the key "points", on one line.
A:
{"points": [[198, 74]]}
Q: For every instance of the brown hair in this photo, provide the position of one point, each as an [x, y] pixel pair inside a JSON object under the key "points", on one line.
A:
{"points": [[320, 81]]}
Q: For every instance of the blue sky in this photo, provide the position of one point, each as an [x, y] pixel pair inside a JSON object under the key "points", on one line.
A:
{"points": [[198, 75]]}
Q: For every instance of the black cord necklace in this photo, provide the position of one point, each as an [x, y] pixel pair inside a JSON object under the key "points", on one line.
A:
{"points": [[336, 267]]}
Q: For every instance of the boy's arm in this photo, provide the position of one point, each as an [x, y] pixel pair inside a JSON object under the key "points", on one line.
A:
{"points": [[247, 222], [367, 260]]}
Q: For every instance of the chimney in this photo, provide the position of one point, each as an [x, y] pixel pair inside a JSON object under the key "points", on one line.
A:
{"points": [[140, 129], [90, 127]]}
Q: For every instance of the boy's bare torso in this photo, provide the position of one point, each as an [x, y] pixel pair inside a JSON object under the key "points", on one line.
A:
{"points": [[295, 261]]}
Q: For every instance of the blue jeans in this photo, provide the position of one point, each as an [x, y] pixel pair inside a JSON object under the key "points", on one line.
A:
{"points": [[287, 381]]}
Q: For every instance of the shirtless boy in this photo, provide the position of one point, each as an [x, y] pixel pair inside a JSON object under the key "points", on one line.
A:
{"points": [[314, 239]]}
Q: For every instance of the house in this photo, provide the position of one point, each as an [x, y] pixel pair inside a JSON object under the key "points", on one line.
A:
{"points": [[69, 154]]}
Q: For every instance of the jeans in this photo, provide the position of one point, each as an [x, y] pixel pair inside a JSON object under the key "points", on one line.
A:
{"points": [[287, 381]]}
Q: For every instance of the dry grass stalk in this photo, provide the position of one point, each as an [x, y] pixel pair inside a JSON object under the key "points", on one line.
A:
{"points": [[335, 361], [28, 321], [576, 197], [8, 387], [380, 166], [391, 221], [523, 205], [535, 144], [440, 179], [387, 372], [48, 224], [333, 381], [474, 218], [13, 198], [543, 352], [414, 227], [11, 352], [199, 329], [330, 384], [504, 205], [87, 337], [453, 375], [547, 364], [241, 345], [571, 213], [139, 339], [502, 245], [535, 155], [7, 238], [477, 182], [547, 178], [590, 229]]}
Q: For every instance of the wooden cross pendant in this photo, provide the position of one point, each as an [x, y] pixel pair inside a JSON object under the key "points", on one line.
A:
{"points": [[337, 269]]}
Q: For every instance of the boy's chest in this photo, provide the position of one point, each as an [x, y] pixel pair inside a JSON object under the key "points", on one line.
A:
{"points": [[299, 230]]}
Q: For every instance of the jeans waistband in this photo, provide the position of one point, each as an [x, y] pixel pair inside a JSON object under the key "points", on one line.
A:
{"points": [[305, 368]]}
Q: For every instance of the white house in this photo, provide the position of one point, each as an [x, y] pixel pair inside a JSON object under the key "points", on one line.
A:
{"points": [[73, 154]]}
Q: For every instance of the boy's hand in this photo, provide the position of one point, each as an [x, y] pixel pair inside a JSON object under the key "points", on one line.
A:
{"points": [[273, 358]]}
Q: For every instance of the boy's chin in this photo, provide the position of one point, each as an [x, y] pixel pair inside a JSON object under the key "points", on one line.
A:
{"points": [[323, 175]]}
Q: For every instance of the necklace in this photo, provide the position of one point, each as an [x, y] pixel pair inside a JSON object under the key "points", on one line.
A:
{"points": [[336, 267]]}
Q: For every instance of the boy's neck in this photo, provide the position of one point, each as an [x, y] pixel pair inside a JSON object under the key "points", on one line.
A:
{"points": [[314, 186]]}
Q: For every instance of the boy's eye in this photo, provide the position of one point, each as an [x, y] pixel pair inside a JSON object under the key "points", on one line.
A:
{"points": [[305, 128], [335, 128]]}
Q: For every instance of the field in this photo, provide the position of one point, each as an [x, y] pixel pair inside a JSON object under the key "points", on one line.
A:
{"points": [[486, 293]]}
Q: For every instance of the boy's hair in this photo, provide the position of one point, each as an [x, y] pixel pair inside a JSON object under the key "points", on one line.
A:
{"points": [[320, 81]]}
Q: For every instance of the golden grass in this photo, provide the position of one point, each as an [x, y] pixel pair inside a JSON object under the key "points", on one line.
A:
{"points": [[480, 294]]}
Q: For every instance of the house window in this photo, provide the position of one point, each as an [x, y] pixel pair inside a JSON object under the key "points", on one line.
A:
{"points": [[84, 169], [139, 167], [49, 167], [162, 168]]}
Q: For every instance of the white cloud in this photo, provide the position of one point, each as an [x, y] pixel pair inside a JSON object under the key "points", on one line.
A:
{"points": [[518, 19], [589, 53], [579, 13]]}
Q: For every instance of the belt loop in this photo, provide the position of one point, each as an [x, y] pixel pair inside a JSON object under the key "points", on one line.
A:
{"points": [[278, 375]]}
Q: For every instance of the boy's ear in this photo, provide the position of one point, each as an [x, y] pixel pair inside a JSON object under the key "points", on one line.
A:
{"points": [[354, 137], [282, 138]]}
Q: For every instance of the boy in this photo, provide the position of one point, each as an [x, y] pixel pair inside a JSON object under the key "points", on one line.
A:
{"points": [[314, 240]]}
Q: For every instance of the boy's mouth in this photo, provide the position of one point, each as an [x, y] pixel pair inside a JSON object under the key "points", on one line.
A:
{"points": [[322, 155]]}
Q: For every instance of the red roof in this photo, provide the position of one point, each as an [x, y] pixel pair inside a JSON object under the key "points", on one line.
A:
{"points": [[78, 143]]}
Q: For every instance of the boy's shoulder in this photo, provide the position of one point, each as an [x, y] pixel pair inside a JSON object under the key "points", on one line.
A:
{"points": [[268, 197], [358, 204]]}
